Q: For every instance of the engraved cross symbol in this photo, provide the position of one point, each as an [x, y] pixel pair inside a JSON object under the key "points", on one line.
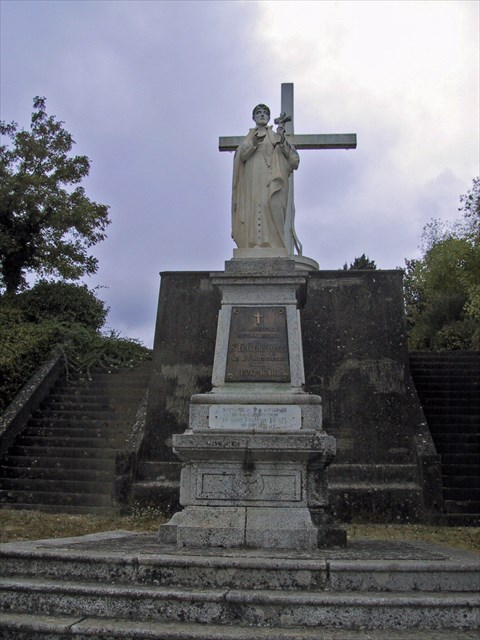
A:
{"points": [[257, 316]]}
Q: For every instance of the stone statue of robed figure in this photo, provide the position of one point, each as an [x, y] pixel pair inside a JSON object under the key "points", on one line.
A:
{"points": [[262, 166]]}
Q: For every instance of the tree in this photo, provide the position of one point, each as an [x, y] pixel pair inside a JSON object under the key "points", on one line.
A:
{"points": [[442, 288], [47, 223], [361, 263]]}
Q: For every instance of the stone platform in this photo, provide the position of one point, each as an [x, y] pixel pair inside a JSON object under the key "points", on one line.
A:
{"points": [[124, 585]]}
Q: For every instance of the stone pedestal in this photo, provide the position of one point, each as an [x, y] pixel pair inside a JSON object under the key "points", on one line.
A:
{"points": [[254, 454]]}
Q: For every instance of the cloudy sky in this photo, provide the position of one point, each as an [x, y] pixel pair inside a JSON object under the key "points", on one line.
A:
{"points": [[147, 87]]}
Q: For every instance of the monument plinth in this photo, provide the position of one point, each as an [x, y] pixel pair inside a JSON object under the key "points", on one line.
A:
{"points": [[254, 455]]}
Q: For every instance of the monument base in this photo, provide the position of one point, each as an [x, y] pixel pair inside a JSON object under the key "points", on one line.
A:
{"points": [[254, 457], [252, 490]]}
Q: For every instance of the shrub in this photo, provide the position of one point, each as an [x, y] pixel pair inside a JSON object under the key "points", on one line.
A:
{"points": [[62, 301]]}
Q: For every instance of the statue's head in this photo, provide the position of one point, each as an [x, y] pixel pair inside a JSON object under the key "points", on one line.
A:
{"points": [[261, 114]]}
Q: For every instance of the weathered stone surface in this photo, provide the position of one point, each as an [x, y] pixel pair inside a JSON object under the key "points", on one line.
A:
{"points": [[115, 583], [356, 359]]}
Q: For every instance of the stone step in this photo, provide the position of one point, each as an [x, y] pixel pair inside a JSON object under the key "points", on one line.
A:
{"points": [[458, 520], [374, 473], [63, 508], [116, 395], [60, 452], [73, 423], [459, 447], [462, 481], [460, 506], [69, 432], [461, 494], [79, 405], [50, 485], [126, 558], [103, 383], [56, 473], [462, 458], [8, 497], [111, 441], [123, 578], [30, 627], [462, 393], [461, 422], [240, 606], [453, 438], [450, 357], [73, 414], [49, 462], [452, 469], [454, 406]]}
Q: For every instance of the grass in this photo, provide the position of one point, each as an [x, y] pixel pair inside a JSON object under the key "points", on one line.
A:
{"points": [[16, 525]]}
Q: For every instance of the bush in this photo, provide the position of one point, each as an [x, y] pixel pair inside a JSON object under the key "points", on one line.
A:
{"points": [[25, 347], [62, 301], [59, 316]]}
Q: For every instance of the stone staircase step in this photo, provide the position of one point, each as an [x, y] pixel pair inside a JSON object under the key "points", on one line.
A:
{"points": [[387, 473], [22, 626], [127, 558], [462, 458], [443, 423], [71, 423], [453, 438], [453, 469], [448, 385], [46, 462], [62, 508], [54, 498], [462, 494], [42, 485], [62, 431], [112, 441], [58, 452], [125, 585], [458, 520], [462, 506], [55, 473], [462, 481], [460, 447], [75, 414], [240, 606]]}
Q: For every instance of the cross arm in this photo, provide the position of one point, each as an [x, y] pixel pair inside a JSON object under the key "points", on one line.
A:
{"points": [[306, 141]]}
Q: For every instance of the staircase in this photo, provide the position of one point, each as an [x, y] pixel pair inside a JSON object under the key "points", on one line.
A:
{"points": [[125, 585], [448, 385], [64, 460]]}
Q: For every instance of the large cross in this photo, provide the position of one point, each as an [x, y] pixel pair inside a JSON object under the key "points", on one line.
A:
{"points": [[305, 141]]}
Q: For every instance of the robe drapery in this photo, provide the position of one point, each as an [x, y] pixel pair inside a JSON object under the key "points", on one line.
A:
{"points": [[260, 191]]}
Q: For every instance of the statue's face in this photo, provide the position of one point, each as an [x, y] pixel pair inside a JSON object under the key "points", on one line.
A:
{"points": [[261, 116]]}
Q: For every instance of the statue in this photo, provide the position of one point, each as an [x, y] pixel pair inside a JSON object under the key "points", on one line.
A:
{"points": [[261, 169]]}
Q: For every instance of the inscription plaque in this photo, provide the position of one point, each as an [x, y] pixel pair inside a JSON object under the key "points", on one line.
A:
{"points": [[258, 345], [266, 417]]}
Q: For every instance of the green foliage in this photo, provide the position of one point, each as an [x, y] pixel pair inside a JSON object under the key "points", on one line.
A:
{"points": [[442, 289], [47, 224], [85, 350], [361, 263], [65, 302], [25, 347], [58, 316]]}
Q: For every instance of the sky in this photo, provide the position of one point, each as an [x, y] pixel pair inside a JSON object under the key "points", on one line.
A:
{"points": [[147, 87]]}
